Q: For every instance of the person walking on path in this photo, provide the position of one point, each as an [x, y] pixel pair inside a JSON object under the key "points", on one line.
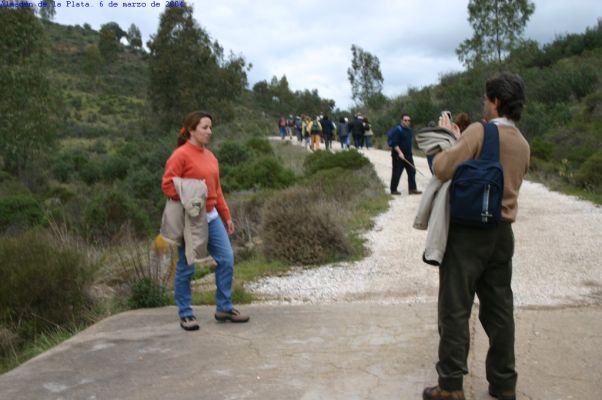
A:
{"points": [[328, 129], [343, 130], [401, 155], [356, 130], [478, 260], [368, 134], [191, 159], [315, 128]]}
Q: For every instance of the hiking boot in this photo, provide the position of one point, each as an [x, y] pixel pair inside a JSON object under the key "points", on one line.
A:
{"points": [[396, 193], [189, 323], [233, 316], [415, 191], [436, 393], [502, 394]]}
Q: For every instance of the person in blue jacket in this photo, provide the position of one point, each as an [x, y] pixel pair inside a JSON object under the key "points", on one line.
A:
{"points": [[401, 155]]}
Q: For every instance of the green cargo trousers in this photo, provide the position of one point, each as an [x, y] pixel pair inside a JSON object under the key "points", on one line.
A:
{"points": [[476, 261]]}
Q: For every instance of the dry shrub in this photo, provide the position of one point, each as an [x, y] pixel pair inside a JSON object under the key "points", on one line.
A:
{"points": [[299, 227]]}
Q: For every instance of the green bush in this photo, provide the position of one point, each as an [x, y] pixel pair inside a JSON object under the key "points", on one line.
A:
{"points": [[260, 146], [542, 148], [20, 209], [115, 167], [300, 228], [91, 172], [233, 153], [109, 211], [262, 173], [321, 160], [145, 293], [589, 174], [43, 283], [62, 169]]}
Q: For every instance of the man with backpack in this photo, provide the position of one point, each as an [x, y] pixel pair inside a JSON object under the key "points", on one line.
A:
{"points": [[316, 133], [399, 139], [478, 259]]}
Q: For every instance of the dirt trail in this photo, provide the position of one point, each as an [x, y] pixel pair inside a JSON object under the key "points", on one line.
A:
{"points": [[556, 261]]}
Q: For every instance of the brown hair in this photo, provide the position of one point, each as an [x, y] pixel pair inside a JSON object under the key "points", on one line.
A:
{"points": [[462, 120], [190, 123]]}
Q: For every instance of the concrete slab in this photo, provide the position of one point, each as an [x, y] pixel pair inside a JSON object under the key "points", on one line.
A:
{"points": [[337, 351]]}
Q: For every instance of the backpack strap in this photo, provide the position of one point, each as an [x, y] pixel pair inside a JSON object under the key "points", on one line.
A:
{"points": [[491, 143]]}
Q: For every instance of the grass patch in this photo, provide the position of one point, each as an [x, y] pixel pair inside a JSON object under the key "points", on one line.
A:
{"points": [[291, 156], [40, 344]]}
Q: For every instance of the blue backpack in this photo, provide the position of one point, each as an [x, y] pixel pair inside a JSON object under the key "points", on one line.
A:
{"points": [[476, 190], [391, 135]]}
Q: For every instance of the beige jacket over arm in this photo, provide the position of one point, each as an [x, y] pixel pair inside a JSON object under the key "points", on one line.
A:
{"points": [[187, 218]]}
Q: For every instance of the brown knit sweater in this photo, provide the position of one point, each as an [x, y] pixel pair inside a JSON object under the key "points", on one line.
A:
{"points": [[514, 157]]}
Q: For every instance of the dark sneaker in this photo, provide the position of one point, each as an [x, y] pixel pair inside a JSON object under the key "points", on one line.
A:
{"points": [[189, 323], [502, 394], [396, 193], [415, 192], [436, 393], [233, 316]]}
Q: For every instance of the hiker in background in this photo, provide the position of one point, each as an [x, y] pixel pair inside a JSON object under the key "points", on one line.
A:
{"points": [[368, 134], [479, 260], [298, 129], [401, 155], [290, 124], [282, 127], [315, 128], [328, 128], [191, 159], [305, 128], [356, 130], [343, 130]]}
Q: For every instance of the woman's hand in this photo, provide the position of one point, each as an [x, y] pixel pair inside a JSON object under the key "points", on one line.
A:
{"points": [[230, 227]]}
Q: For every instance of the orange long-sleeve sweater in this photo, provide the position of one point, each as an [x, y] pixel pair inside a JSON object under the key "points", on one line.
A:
{"points": [[194, 162]]}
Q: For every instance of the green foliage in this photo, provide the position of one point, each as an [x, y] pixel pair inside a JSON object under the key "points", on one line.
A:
{"points": [[542, 149], [498, 26], [134, 37], [261, 146], [260, 173], [109, 211], [277, 98], [20, 210], [365, 76], [183, 58], [43, 283], [233, 153], [147, 294], [115, 167], [26, 91], [589, 175], [321, 160], [108, 42]]}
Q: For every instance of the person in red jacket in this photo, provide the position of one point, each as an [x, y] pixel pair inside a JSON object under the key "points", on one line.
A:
{"points": [[191, 159]]}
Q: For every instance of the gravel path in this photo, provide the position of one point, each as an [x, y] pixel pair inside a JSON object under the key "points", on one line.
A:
{"points": [[558, 249]]}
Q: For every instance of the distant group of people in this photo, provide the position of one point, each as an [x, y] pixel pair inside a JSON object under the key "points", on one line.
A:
{"points": [[476, 260], [321, 129]]}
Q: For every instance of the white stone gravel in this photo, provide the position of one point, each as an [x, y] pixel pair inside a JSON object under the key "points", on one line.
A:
{"points": [[558, 249]]}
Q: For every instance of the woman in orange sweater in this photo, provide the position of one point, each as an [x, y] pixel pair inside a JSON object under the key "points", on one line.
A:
{"points": [[191, 159]]}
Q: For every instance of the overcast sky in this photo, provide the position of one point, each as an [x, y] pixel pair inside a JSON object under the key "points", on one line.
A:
{"points": [[310, 41]]}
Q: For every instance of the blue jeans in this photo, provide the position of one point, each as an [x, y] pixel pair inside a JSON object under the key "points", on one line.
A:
{"points": [[220, 249]]}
